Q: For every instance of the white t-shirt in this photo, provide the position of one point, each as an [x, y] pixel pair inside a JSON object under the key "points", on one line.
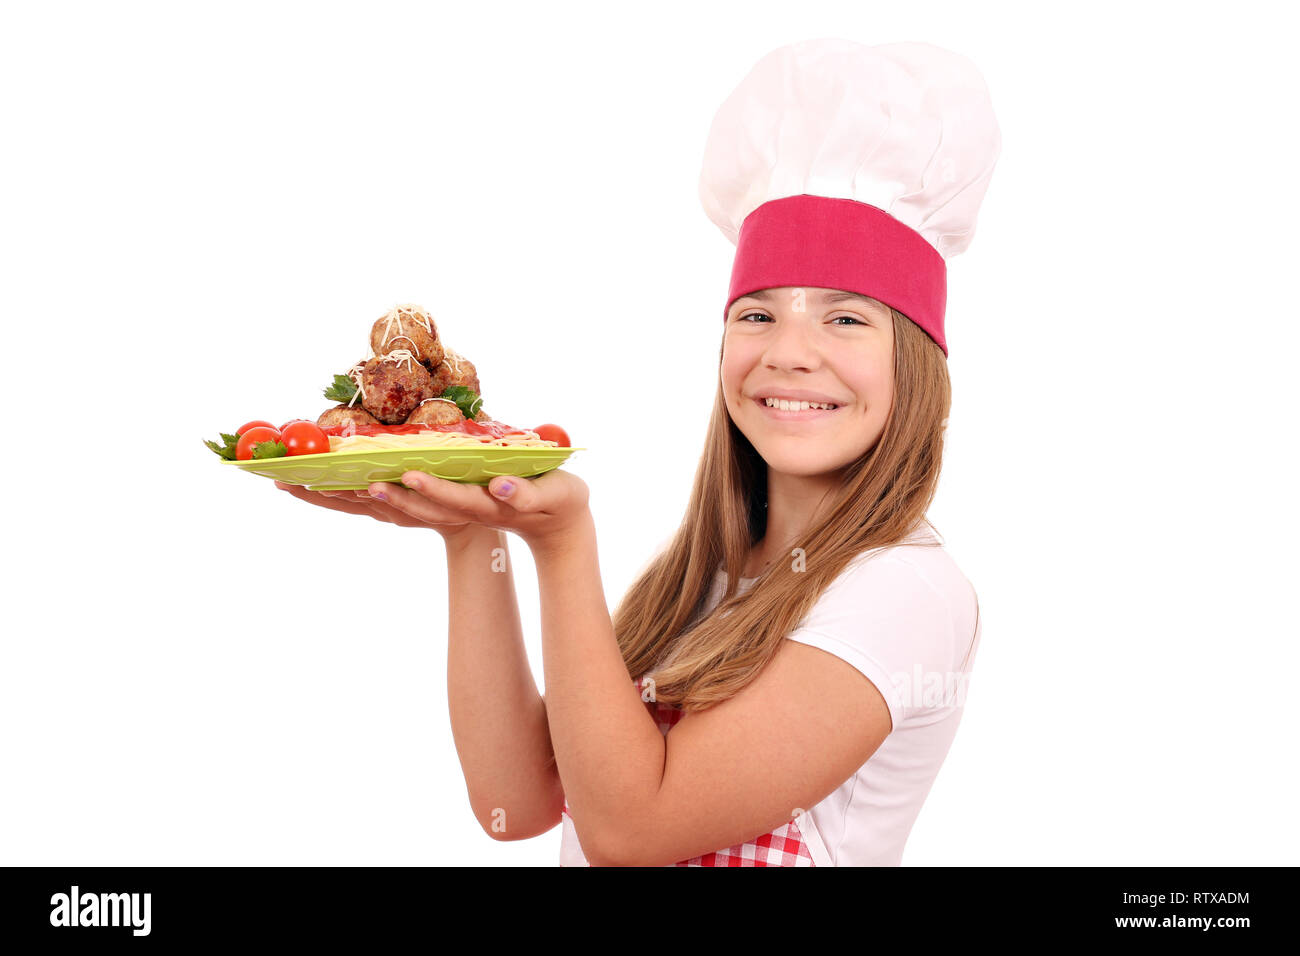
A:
{"points": [[907, 618]]}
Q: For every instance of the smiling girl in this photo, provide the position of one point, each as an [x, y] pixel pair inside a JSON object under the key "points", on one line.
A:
{"points": [[782, 683]]}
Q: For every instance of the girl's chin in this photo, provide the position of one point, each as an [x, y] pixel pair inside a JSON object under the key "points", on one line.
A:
{"points": [[800, 464]]}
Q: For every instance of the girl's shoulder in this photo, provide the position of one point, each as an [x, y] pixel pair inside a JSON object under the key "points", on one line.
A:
{"points": [[925, 554]]}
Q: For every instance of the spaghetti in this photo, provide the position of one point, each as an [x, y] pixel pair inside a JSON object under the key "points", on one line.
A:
{"points": [[433, 439], [466, 434]]}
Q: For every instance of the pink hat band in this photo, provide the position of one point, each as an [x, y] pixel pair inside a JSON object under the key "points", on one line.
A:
{"points": [[820, 242]]}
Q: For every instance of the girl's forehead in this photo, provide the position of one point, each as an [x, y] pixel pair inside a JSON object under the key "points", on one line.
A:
{"points": [[816, 293]]}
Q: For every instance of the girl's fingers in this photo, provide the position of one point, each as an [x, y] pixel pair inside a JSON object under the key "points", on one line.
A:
{"points": [[410, 511], [474, 502], [322, 500], [417, 506], [452, 495]]}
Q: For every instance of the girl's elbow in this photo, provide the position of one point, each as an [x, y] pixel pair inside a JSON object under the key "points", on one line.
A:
{"points": [[505, 827], [512, 833], [610, 847], [600, 855]]}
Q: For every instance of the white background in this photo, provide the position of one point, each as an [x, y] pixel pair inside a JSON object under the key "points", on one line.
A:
{"points": [[205, 207]]}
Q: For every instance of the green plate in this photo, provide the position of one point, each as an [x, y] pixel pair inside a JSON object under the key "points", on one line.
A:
{"points": [[341, 471]]}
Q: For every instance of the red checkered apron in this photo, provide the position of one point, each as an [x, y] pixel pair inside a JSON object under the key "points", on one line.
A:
{"points": [[784, 846]]}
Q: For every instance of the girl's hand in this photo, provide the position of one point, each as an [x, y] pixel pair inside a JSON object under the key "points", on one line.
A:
{"points": [[360, 503], [543, 510]]}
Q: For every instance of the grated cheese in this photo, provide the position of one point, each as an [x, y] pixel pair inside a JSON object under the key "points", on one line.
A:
{"points": [[410, 311], [354, 373], [399, 356]]}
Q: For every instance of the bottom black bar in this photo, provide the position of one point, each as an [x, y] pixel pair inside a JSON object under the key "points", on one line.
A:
{"points": [[134, 906]]}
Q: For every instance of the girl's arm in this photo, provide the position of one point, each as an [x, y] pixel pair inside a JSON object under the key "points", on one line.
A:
{"points": [[498, 719], [723, 775], [610, 749], [741, 768]]}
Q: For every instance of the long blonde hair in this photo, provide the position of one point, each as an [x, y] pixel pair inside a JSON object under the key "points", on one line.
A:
{"points": [[882, 498]]}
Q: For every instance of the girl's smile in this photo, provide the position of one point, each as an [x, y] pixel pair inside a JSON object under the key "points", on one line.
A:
{"points": [[808, 375], [796, 410]]}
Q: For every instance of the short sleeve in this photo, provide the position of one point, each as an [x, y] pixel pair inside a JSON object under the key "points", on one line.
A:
{"points": [[885, 617]]}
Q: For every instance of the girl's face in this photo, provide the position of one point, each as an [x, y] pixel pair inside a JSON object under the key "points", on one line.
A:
{"points": [[809, 343]]}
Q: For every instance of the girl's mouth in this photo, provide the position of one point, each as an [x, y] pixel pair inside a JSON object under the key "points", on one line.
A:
{"points": [[782, 410]]}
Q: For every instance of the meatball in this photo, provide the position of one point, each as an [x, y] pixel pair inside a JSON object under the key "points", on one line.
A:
{"points": [[393, 385], [455, 369], [436, 411], [407, 327], [343, 414], [482, 416]]}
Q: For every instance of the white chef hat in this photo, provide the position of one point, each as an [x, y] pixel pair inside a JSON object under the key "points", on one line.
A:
{"points": [[861, 168]]}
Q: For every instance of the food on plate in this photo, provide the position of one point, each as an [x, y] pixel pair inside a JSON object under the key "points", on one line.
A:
{"points": [[342, 414], [553, 433], [412, 393], [410, 328], [465, 434], [304, 438], [393, 385], [455, 369], [252, 440], [436, 411], [257, 435]]}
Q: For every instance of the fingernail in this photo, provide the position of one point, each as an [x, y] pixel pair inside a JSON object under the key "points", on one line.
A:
{"points": [[503, 490], [380, 496]]}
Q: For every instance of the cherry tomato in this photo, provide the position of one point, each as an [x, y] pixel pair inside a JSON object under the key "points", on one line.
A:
{"points": [[553, 433], [290, 422], [257, 424], [305, 438], [261, 433]]}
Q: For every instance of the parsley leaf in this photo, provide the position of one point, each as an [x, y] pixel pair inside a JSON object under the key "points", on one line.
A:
{"points": [[269, 449], [342, 390], [226, 451], [465, 398]]}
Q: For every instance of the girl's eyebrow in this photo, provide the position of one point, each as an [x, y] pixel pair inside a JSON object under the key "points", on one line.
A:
{"points": [[765, 294], [842, 296]]}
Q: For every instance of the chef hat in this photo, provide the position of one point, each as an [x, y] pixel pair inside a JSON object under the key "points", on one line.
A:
{"points": [[861, 168]]}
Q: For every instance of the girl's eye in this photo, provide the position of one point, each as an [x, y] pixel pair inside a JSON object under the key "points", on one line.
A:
{"points": [[759, 315]]}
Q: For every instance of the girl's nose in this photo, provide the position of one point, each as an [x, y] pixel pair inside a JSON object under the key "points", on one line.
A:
{"points": [[792, 346]]}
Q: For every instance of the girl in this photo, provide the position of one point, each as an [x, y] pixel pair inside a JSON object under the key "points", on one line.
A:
{"points": [[798, 652]]}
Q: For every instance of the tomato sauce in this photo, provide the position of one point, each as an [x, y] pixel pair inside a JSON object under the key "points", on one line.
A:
{"points": [[488, 429]]}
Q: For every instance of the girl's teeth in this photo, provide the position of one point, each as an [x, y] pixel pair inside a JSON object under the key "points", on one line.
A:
{"points": [[794, 406]]}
